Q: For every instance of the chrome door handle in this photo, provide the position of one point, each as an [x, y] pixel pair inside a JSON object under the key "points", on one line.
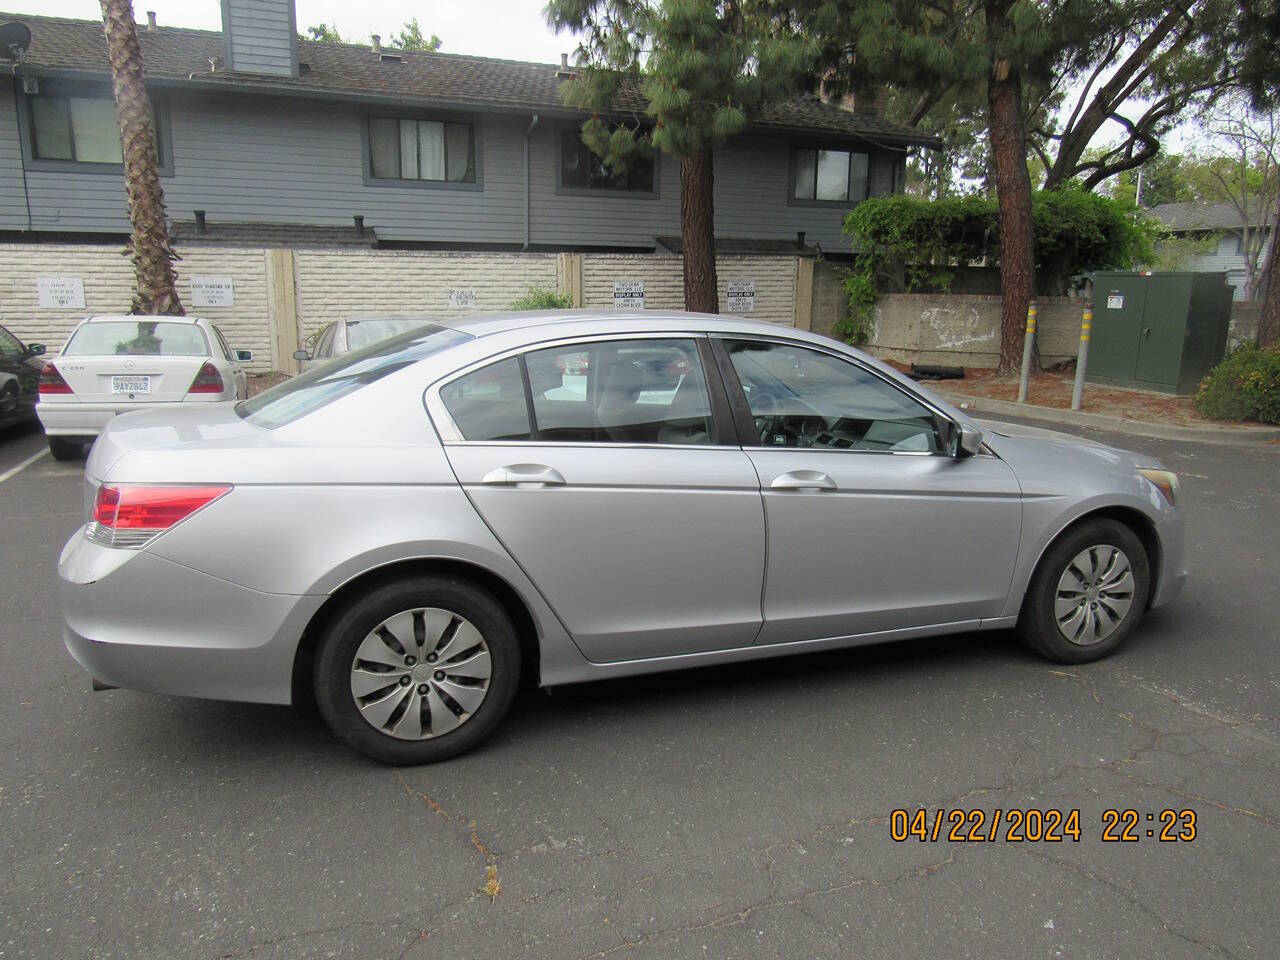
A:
{"points": [[518, 473], [803, 480]]}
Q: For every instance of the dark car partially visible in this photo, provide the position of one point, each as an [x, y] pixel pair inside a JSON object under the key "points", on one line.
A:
{"points": [[19, 378]]}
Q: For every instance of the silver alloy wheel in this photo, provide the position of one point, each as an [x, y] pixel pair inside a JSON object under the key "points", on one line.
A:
{"points": [[420, 673], [1094, 594]]}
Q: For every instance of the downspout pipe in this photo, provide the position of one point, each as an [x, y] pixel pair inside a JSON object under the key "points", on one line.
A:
{"points": [[527, 207]]}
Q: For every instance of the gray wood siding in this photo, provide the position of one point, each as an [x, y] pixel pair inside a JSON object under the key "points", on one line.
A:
{"points": [[1226, 258], [263, 159], [260, 36], [13, 210]]}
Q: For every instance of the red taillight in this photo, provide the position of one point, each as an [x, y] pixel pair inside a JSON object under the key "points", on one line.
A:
{"points": [[154, 509], [208, 380], [51, 381]]}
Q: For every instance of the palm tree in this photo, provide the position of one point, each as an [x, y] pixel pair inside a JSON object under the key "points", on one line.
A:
{"points": [[153, 257]]}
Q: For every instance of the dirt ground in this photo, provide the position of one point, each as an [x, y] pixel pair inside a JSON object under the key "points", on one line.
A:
{"points": [[1053, 389], [260, 381]]}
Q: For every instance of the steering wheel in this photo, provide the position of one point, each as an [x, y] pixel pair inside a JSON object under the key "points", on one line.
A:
{"points": [[764, 411]]}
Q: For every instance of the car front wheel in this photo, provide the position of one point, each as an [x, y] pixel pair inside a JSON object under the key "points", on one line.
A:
{"points": [[1088, 593], [418, 670]]}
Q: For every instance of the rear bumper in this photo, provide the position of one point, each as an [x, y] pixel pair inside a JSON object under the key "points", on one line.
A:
{"points": [[77, 419], [138, 621]]}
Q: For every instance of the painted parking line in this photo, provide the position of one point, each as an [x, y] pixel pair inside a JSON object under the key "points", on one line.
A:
{"points": [[15, 470]]}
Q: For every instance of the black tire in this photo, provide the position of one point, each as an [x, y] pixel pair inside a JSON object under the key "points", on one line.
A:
{"points": [[332, 676], [64, 448], [1037, 625]]}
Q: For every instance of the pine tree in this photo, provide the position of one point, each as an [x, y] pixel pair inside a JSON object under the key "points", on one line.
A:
{"points": [[703, 68]]}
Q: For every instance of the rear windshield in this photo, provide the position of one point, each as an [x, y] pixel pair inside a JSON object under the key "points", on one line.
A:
{"points": [[345, 374], [361, 333], [151, 338]]}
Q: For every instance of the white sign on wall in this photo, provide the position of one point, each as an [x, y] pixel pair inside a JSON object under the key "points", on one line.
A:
{"points": [[462, 297], [1115, 301], [212, 292], [742, 296], [60, 293], [628, 294]]}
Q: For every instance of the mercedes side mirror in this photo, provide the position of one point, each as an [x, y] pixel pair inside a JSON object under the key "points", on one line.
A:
{"points": [[35, 349], [966, 440], [244, 356], [301, 356]]}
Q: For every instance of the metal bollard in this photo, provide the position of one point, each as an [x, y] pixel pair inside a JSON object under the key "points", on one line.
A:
{"points": [[1027, 346], [1086, 327]]}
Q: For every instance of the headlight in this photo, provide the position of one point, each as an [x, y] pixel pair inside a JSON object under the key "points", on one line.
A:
{"points": [[1164, 481]]}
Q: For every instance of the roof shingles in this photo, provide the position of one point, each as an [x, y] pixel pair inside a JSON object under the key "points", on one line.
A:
{"points": [[176, 54]]}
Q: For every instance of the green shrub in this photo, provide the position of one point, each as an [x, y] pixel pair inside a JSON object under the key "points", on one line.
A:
{"points": [[541, 298], [912, 244], [1245, 386]]}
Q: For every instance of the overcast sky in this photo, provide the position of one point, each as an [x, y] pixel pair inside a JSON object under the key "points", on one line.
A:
{"points": [[512, 29]]}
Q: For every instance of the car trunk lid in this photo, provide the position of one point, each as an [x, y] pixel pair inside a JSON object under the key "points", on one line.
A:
{"points": [[138, 379]]}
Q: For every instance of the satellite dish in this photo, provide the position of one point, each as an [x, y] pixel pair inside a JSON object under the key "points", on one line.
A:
{"points": [[15, 39]]}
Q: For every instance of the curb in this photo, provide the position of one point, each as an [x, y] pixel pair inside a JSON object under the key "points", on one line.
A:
{"points": [[1138, 428]]}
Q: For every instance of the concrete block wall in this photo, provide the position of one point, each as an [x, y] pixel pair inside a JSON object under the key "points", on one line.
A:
{"points": [[964, 329], [663, 277], [284, 296], [332, 284], [108, 283]]}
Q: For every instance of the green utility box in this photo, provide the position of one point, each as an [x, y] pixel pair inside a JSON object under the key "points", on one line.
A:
{"points": [[1157, 331]]}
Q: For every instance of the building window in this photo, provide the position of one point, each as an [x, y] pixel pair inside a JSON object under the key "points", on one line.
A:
{"points": [[435, 150], [838, 176], [581, 169], [79, 129]]}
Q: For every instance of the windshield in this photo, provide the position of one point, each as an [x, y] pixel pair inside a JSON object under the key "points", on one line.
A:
{"points": [[361, 333], [346, 374], [155, 338]]}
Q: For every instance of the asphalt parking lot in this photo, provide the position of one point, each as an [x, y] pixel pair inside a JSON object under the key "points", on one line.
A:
{"points": [[728, 812]]}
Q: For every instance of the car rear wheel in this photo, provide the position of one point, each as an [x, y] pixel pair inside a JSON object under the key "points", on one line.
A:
{"points": [[64, 448], [1088, 593], [418, 670]]}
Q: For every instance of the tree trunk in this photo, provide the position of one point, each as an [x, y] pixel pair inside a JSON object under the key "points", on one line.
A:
{"points": [[697, 233], [1269, 318], [152, 256], [1013, 190]]}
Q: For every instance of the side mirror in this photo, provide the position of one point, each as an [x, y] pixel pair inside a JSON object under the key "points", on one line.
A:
{"points": [[244, 356], [35, 349], [966, 440], [301, 355]]}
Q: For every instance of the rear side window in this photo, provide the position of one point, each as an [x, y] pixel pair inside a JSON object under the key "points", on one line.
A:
{"points": [[621, 391], [344, 375], [489, 404], [153, 338]]}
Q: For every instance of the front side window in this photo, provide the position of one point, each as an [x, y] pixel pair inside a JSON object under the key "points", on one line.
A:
{"points": [[805, 398], [833, 175], [155, 338], [80, 129], [9, 345], [581, 169], [620, 391], [433, 150]]}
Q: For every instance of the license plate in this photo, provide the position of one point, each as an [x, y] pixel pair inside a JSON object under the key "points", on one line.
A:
{"points": [[130, 384]]}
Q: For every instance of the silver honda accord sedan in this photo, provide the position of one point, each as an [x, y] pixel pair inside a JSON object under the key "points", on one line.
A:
{"points": [[402, 529]]}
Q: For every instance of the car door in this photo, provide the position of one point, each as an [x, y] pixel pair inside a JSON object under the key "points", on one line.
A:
{"points": [[872, 525], [602, 468]]}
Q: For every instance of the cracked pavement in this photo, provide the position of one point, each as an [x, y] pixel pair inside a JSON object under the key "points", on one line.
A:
{"points": [[730, 812]]}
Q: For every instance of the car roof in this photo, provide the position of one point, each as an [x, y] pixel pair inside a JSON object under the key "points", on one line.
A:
{"points": [[482, 325], [136, 317]]}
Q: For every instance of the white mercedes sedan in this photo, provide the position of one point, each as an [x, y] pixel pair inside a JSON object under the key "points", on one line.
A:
{"points": [[113, 365]]}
